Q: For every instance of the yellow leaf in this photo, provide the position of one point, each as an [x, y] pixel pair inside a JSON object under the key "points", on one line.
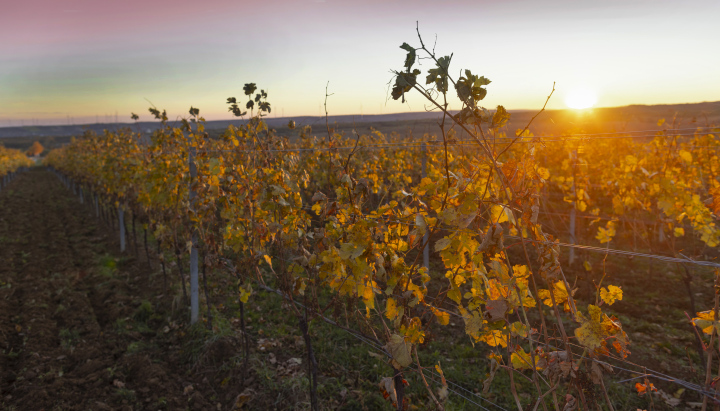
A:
{"points": [[679, 232], [245, 292], [520, 271], [368, 294], [521, 360], [596, 328], [498, 214], [559, 292], [443, 317], [442, 374], [399, 350], [590, 333], [686, 156], [543, 173], [454, 294], [587, 265], [605, 235], [519, 329], [611, 294], [494, 338], [413, 331], [267, 259], [473, 323], [706, 321], [391, 309]]}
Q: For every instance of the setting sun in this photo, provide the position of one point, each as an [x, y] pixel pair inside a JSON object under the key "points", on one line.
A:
{"points": [[580, 98]]}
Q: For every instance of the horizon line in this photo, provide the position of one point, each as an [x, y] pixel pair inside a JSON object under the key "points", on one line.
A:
{"points": [[270, 117]]}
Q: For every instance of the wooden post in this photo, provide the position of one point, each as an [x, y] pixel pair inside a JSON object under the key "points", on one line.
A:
{"points": [[573, 157], [97, 208], [194, 284], [426, 236], [121, 223]]}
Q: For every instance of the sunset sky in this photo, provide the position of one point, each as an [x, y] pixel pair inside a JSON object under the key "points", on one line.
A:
{"points": [[82, 60]]}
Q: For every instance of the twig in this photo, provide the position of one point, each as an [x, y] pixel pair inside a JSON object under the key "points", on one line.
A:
{"points": [[519, 136]]}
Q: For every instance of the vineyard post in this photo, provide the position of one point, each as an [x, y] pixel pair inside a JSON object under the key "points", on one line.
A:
{"points": [[82, 199], [194, 285], [121, 223], [661, 234], [573, 157], [426, 236]]}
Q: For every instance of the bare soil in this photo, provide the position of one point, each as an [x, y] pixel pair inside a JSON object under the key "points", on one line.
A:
{"points": [[74, 334]]}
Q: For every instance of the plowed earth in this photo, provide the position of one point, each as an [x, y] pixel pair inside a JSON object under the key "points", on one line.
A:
{"points": [[64, 336]]}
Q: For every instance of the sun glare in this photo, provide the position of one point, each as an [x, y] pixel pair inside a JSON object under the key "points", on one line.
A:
{"points": [[580, 98]]}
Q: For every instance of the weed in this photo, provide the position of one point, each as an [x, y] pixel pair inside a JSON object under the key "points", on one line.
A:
{"points": [[135, 347], [69, 338], [144, 311], [125, 394], [108, 266], [161, 403], [59, 309], [111, 371]]}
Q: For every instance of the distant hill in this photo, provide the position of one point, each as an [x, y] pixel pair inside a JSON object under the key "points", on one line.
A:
{"points": [[551, 122], [67, 130]]}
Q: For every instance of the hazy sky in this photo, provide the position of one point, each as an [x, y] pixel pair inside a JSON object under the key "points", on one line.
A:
{"points": [[89, 59]]}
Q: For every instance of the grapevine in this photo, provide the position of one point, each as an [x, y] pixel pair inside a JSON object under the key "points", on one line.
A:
{"points": [[342, 222]]}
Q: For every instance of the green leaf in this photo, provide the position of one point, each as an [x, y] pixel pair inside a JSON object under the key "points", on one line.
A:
{"points": [[410, 58], [481, 81], [249, 88], [442, 244], [473, 324], [403, 83], [351, 251], [439, 75], [469, 88]]}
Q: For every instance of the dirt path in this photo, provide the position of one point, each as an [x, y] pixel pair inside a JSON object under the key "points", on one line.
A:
{"points": [[69, 317]]}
